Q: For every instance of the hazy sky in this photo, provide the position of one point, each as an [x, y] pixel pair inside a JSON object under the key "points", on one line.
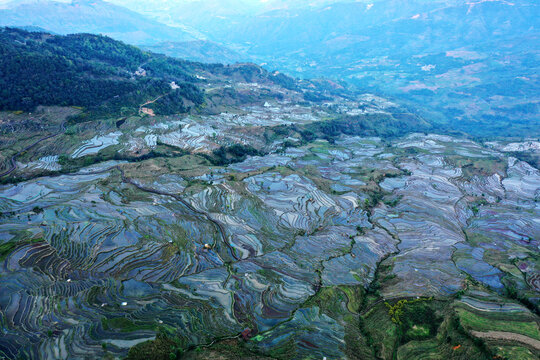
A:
{"points": [[170, 11], [262, 3]]}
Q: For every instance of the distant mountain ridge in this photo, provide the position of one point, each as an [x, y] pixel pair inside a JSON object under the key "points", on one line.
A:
{"points": [[91, 16], [472, 64], [198, 50], [106, 18], [456, 22]]}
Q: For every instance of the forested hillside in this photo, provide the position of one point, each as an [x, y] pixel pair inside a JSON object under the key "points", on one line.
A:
{"points": [[89, 71], [108, 78]]}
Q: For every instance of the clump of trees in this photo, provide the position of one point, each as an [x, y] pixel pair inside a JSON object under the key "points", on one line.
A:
{"points": [[230, 154], [416, 318], [162, 348]]}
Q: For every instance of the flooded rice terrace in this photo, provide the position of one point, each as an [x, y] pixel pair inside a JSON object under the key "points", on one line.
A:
{"points": [[103, 257]]}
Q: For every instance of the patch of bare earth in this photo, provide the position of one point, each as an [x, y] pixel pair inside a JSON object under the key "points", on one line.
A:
{"points": [[501, 335]]}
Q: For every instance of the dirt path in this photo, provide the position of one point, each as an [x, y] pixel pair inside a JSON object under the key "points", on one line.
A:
{"points": [[151, 101], [502, 335]]}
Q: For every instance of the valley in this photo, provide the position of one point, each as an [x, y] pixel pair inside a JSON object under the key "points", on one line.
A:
{"points": [[159, 208]]}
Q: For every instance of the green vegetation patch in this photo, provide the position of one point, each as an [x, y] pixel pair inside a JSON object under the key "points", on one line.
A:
{"points": [[232, 154], [333, 300], [8, 247], [271, 276], [417, 318], [514, 352], [383, 332], [492, 322], [418, 332], [124, 324], [479, 166], [451, 341], [369, 124], [230, 349], [162, 348], [342, 303]]}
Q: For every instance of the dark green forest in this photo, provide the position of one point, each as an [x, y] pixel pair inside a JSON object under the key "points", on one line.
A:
{"points": [[90, 71]]}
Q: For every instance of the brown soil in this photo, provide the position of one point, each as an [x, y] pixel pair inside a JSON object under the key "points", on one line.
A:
{"points": [[501, 335]]}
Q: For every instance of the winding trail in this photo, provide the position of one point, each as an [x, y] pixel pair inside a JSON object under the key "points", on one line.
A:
{"points": [[152, 101], [13, 159]]}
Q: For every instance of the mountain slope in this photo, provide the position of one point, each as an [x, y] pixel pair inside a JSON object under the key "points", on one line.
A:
{"points": [[98, 17], [91, 71], [198, 50], [452, 58], [109, 78]]}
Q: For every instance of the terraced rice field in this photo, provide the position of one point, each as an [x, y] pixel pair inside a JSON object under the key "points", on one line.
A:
{"points": [[298, 247]]}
